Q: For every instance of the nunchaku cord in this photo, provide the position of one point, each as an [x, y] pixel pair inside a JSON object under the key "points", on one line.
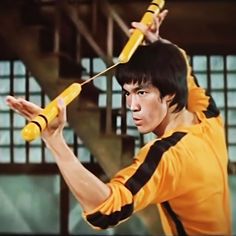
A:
{"points": [[100, 73]]}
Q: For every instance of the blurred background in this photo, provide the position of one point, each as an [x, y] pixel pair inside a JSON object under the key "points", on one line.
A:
{"points": [[45, 45]]}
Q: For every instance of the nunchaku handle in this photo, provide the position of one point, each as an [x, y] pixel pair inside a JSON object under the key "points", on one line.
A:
{"points": [[137, 36], [34, 128]]}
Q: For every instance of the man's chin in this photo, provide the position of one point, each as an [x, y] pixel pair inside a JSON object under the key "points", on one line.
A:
{"points": [[143, 131]]}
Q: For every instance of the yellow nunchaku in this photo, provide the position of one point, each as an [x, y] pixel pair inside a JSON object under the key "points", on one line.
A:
{"points": [[34, 128]]}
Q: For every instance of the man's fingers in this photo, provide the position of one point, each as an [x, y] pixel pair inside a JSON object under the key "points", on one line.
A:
{"points": [[27, 109], [13, 104], [151, 32], [62, 110], [160, 18], [9, 100], [30, 108], [137, 25], [154, 27]]}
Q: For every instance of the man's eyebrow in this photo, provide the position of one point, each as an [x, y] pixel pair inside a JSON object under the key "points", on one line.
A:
{"points": [[138, 87], [132, 90]]}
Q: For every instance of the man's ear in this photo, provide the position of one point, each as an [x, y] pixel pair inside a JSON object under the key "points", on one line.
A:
{"points": [[168, 98]]}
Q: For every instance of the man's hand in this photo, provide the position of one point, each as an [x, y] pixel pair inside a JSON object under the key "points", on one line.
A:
{"points": [[30, 110], [151, 32], [26, 109]]}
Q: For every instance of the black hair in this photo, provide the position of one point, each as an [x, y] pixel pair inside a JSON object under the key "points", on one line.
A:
{"points": [[161, 64]]}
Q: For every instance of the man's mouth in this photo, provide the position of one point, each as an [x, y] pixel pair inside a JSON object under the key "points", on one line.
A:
{"points": [[137, 121]]}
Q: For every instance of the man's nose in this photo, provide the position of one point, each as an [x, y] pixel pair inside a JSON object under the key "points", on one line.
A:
{"points": [[134, 105]]}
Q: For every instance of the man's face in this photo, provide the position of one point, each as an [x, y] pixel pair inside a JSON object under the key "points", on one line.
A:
{"points": [[148, 109]]}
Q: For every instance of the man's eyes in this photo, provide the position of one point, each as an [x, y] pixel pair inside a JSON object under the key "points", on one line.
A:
{"points": [[126, 94], [141, 92]]}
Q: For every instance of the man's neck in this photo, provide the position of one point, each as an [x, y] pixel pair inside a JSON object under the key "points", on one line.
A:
{"points": [[174, 120]]}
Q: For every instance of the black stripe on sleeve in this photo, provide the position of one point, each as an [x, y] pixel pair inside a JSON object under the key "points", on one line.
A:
{"points": [[178, 224], [212, 110], [137, 181], [104, 221], [148, 167]]}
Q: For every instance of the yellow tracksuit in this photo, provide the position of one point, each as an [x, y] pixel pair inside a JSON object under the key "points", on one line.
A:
{"points": [[184, 173]]}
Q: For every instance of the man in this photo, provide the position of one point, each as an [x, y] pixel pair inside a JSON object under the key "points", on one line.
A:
{"points": [[183, 172]]}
